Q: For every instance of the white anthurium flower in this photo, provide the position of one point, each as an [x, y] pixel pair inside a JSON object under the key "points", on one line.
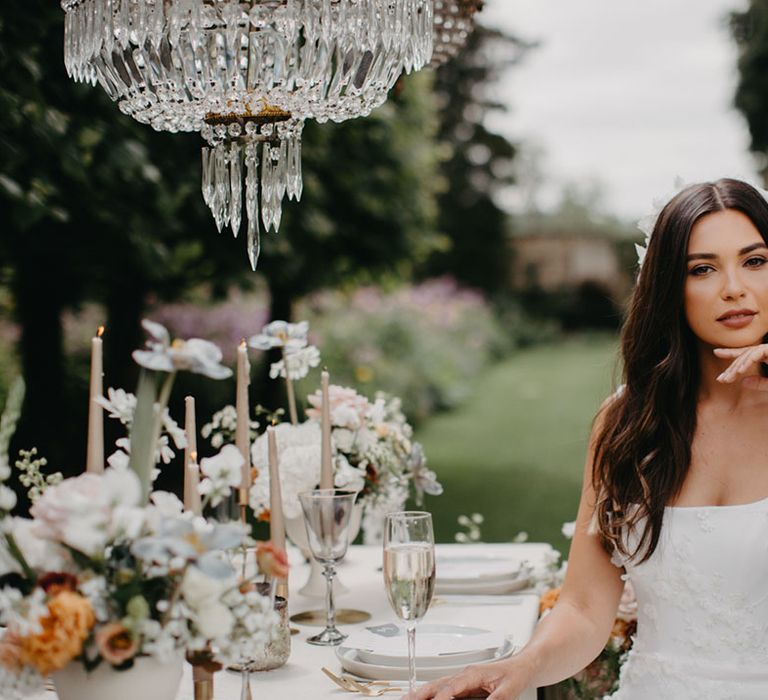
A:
{"points": [[281, 334], [222, 473], [194, 355], [296, 364]]}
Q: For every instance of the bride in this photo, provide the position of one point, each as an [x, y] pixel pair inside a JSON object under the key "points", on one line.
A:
{"points": [[675, 492]]}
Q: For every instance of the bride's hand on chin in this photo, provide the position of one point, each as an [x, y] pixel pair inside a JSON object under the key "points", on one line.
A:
{"points": [[502, 680], [745, 362]]}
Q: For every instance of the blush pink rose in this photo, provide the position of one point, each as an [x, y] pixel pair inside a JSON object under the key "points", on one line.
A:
{"points": [[347, 408]]}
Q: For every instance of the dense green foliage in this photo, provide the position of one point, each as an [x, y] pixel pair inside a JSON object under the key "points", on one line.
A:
{"points": [[750, 31], [100, 208], [478, 163]]}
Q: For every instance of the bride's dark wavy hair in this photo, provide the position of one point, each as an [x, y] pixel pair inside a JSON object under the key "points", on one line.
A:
{"points": [[643, 448]]}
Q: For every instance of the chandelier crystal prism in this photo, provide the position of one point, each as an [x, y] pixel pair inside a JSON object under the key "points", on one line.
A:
{"points": [[454, 22], [246, 74]]}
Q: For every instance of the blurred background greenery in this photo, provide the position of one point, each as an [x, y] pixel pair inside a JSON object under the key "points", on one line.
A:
{"points": [[497, 329]]}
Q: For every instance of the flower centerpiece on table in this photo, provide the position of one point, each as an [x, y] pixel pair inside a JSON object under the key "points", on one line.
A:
{"points": [[106, 573], [95, 577], [373, 453], [373, 450]]}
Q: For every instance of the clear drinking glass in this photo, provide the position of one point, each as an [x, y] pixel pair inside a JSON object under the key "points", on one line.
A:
{"points": [[326, 516], [409, 572]]}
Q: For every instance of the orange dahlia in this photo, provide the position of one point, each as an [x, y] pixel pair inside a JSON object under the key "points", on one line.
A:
{"points": [[66, 627]]}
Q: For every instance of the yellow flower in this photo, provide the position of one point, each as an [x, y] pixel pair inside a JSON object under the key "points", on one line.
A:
{"points": [[66, 627]]}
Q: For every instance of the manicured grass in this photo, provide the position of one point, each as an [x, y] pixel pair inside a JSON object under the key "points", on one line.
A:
{"points": [[515, 451]]}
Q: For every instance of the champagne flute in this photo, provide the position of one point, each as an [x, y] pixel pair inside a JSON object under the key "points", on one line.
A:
{"points": [[409, 573], [326, 517]]}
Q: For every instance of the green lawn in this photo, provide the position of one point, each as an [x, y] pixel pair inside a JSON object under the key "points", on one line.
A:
{"points": [[515, 451]]}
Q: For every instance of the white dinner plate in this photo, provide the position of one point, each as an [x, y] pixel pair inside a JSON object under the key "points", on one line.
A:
{"points": [[485, 587], [438, 644], [350, 661], [459, 569]]}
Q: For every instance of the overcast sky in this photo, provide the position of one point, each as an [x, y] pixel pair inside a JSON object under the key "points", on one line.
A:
{"points": [[632, 94]]}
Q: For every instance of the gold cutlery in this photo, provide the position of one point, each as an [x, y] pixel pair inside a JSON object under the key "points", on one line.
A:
{"points": [[368, 689]]}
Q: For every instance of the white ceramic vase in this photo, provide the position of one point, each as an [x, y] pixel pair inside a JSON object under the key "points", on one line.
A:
{"points": [[148, 678], [315, 585]]}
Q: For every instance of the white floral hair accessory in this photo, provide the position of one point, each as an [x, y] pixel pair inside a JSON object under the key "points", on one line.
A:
{"points": [[648, 222]]}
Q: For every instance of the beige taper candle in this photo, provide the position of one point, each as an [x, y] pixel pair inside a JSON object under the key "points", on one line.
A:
{"points": [[191, 468], [94, 461], [326, 467], [243, 429]]}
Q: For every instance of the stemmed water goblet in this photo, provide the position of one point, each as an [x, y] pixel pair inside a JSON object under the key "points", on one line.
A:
{"points": [[326, 517], [409, 573]]}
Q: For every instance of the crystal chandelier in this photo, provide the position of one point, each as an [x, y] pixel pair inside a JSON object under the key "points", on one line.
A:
{"points": [[454, 22], [246, 74]]}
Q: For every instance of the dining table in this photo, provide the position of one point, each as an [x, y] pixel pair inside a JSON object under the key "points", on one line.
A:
{"points": [[301, 678]]}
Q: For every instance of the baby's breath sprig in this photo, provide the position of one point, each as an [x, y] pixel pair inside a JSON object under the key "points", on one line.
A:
{"points": [[32, 477], [472, 524]]}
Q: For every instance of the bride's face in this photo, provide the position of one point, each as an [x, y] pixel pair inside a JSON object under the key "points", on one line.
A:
{"points": [[726, 287]]}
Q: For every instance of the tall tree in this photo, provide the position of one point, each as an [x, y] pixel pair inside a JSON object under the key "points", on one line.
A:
{"points": [[100, 208], [475, 247], [750, 31]]}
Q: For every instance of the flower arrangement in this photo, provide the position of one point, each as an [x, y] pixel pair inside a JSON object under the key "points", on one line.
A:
{"points": [[373, 450], [95, 577], [373, 453], [105, 572], [601, 677]]}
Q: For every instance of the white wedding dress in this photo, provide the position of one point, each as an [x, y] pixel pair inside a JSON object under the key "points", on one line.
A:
{"points": [[702, 598]]}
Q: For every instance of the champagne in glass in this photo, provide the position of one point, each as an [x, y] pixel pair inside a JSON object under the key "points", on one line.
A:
{"points": [[409, 572]]}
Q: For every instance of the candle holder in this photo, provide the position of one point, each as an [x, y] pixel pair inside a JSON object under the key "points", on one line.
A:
{"points": [[277, 652]]}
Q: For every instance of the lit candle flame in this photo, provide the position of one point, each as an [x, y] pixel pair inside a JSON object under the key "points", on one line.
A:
{"points": [[100, 331], [193, 456], [243, 343]]}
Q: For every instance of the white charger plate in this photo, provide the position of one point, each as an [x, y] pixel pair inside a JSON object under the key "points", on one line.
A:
{"points": [[460, 569], [437, 644], [351, 662]]}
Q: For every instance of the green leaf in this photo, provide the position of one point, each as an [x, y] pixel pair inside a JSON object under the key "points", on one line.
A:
{"points": [[142, 459]]}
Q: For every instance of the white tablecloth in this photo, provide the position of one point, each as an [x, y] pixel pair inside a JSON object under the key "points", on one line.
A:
{"points": [[301, 678]]}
